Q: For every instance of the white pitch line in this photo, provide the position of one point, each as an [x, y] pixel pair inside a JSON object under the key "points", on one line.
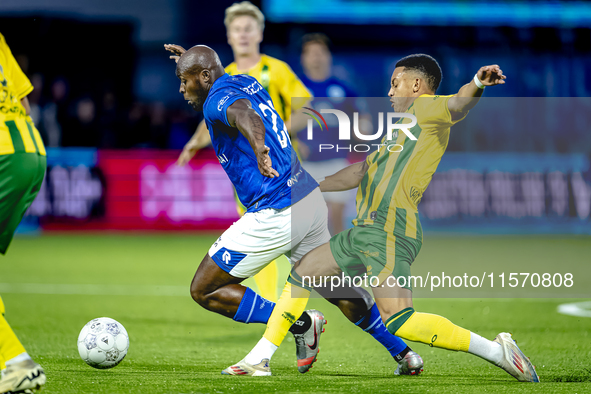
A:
{"points": [[579, 309], [103, 290]]}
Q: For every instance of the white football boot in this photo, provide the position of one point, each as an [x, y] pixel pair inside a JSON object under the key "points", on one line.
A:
{"points": [[514, 361], [246, 369], [21, 377]]}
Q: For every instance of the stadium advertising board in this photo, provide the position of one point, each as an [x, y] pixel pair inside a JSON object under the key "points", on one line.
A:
{"points": [[138, 189]]}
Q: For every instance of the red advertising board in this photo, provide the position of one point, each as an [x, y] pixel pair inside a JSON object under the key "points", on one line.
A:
{"points": [[145, 189]]}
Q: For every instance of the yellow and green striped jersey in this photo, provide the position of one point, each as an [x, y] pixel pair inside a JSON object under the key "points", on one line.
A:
{"points": [[17, 132], [279, 81], [395, 181]]}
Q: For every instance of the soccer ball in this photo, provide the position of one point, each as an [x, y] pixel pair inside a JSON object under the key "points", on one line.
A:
{"points": [[103, 343]]}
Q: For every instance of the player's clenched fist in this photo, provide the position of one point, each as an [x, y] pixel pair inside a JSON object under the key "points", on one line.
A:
{"points": [[491, 75]]}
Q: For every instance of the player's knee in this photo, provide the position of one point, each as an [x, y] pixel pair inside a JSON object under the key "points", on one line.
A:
{"points": [[198, 293], [202, 283]]}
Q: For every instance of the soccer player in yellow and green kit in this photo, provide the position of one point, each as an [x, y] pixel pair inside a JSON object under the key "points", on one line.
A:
{"points": [[245, 24], [387, 234], [22, 168]]}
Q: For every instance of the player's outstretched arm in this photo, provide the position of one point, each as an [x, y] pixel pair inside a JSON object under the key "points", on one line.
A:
{"points": [[346, 179], [199, 141], [176, 49], [468, 96], [241, 115]]}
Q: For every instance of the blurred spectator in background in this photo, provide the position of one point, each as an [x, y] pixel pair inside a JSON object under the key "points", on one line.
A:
{"points": [[137, 124], [328, 92], [158, 125], [109, 122], [35, 99], [54, 113], [82, 130]]}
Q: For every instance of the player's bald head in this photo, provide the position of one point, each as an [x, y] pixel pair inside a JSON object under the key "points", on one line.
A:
{"points": [[198, 58], [198, 69]]}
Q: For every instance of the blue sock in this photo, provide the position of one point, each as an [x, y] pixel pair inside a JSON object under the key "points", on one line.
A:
{"points": [[372, 323], [253, 308]]}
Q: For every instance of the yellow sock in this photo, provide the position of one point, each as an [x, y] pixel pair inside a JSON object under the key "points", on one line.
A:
{"points": [[266, 281], [10, 347], [288, 309], [430, 329]]}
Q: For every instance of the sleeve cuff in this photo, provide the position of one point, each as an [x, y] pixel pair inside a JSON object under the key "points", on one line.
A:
{"points": [[25, 92]]}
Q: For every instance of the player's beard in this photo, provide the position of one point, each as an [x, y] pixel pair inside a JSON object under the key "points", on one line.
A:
{"points": [[200, 97]]}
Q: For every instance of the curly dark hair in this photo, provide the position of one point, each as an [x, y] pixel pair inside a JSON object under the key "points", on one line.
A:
{"points": [[425, 65]]}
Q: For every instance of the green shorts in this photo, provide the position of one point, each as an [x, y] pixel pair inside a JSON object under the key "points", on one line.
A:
{"points": [[374, 252], [21, 175]]}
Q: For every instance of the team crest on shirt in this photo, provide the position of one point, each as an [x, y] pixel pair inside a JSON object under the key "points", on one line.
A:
{"points": [[416, 195], [8, 100], [265, 77]]}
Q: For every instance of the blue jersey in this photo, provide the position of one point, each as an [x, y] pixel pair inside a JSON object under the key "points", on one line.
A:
{"points": [[328, 94], [236, 156]]}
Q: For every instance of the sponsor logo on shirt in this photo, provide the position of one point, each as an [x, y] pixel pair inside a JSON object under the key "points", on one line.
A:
{"points": [[223, 101], [294, 179], [253, 88]]}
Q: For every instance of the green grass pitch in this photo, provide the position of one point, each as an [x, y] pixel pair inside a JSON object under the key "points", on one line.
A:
{"points": [[177, 347]]}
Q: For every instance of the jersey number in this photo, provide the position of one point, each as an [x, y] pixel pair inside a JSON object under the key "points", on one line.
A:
{"points": [[282, 135]]}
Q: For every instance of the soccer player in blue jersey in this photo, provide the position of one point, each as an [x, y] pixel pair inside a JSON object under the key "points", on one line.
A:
{"points": [[253, 147]]}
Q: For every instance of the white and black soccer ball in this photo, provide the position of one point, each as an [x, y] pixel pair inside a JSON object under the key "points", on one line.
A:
{"points": [[103, 343]]}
